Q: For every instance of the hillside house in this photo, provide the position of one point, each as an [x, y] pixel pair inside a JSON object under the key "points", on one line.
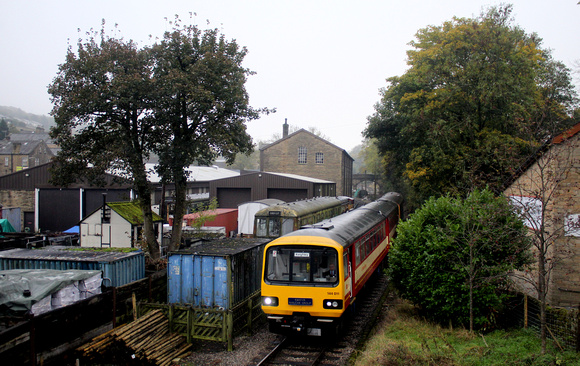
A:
{"points": [[547, 191], [23, 154], [303, 153], [37, 135], [116, 224]]}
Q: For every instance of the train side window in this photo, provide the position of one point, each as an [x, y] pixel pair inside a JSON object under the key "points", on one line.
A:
{"points": [[261, 228], [287, 226], [274, 227]]}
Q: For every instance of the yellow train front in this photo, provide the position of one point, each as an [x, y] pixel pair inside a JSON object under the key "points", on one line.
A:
{"points": [[312, 275]]}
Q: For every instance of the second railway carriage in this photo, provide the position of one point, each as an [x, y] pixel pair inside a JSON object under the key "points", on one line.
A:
{"points": [[283, 218], [312, 275]]}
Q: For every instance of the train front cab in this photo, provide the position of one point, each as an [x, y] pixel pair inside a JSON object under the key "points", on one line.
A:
{"points": [[306, 285]]}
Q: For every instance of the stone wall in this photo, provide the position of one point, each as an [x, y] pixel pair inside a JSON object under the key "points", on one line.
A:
{"points": [[282, 157], [16, 198], [554, 182]]}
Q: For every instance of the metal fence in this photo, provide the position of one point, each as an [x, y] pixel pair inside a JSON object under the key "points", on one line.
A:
{"points": [[563, 324]]}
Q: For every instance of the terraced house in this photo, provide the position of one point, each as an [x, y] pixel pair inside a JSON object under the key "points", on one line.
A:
{"points": [[19, 155]]}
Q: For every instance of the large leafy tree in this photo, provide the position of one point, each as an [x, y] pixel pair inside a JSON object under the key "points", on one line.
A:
{"points": [[102, 99], [183, 98], [201, 105], [477, 98], [453, 255]]}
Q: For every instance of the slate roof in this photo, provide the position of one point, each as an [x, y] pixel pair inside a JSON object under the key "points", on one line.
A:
{"points": [[26, 147]]}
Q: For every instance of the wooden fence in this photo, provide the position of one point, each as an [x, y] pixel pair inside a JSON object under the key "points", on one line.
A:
{"points": [[218, 325]]}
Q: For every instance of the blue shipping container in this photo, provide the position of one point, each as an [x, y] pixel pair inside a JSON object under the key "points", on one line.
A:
{"points": [[215, 274], [118, 268]]}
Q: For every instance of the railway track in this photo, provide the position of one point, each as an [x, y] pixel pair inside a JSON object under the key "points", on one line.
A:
{"points": [[293, 352], [308, 351]]}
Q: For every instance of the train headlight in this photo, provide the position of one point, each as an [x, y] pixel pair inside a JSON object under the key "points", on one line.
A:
{"points": [[332, 304], [269, 301]]}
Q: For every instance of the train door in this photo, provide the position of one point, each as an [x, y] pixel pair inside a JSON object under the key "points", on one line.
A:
{"points": [[347, 270]]}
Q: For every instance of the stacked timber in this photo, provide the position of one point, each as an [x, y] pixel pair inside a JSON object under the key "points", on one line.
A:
{"points": [[147, 340]]}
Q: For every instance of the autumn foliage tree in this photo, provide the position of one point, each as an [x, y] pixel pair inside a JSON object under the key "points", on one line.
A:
{"points": [[479, 96]]}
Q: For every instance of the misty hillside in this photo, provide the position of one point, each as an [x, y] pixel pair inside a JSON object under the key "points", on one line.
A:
{"points": [[21, 119]]}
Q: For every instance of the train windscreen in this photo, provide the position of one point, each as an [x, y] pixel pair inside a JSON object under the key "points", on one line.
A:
{"points": [[301, 265]]}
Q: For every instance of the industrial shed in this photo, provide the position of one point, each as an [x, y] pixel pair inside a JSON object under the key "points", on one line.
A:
{"points": [[231, 192], [45, 207]]}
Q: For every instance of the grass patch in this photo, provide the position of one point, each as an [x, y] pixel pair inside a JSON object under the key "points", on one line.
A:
{"points": [[403, 338]]}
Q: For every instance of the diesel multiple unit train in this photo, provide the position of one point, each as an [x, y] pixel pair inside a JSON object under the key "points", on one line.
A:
{"points": [[312, 275], [281, 219]]}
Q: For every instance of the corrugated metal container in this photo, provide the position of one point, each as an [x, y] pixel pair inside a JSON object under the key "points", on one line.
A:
{"points": [[118, 268], [215, 274]]}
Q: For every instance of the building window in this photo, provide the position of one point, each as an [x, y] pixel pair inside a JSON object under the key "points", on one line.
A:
{"points": [[25, 161], [302, 152], [319, 158], [6, 161]]}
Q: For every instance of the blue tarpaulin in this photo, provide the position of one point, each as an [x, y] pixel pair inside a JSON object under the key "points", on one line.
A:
{"points": [[72, 230]]}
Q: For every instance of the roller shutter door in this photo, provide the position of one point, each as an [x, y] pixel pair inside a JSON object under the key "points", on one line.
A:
{"points": [[232, 197]]}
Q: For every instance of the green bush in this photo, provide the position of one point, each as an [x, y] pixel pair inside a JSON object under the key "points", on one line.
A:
{"points": [[451, 245]]}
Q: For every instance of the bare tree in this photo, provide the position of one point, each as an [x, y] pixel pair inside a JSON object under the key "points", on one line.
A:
{"points": [[546, 194]]}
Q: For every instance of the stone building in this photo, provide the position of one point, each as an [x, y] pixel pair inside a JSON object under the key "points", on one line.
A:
{"points": [[303, 153], [20, 155], [547, 192]]}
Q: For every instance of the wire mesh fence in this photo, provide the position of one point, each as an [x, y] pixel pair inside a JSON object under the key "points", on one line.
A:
{"points": [[562, 324]]}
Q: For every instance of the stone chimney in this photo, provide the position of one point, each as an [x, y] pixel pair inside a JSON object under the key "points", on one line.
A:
{"points": [[285, 128]]}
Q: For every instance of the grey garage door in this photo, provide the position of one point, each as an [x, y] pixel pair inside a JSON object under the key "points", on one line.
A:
{"points": [[232, 197]]}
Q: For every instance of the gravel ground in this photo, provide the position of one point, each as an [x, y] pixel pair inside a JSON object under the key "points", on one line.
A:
{"points": [[246, 349]]}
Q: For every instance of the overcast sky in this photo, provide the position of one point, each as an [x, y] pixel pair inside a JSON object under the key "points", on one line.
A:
{"points": [[319, 63]]}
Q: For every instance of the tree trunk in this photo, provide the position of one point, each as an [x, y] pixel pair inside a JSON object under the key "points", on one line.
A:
{"points": [[144, 198], [178, 212], [471, 305], [542, 287], [148, 231]]}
